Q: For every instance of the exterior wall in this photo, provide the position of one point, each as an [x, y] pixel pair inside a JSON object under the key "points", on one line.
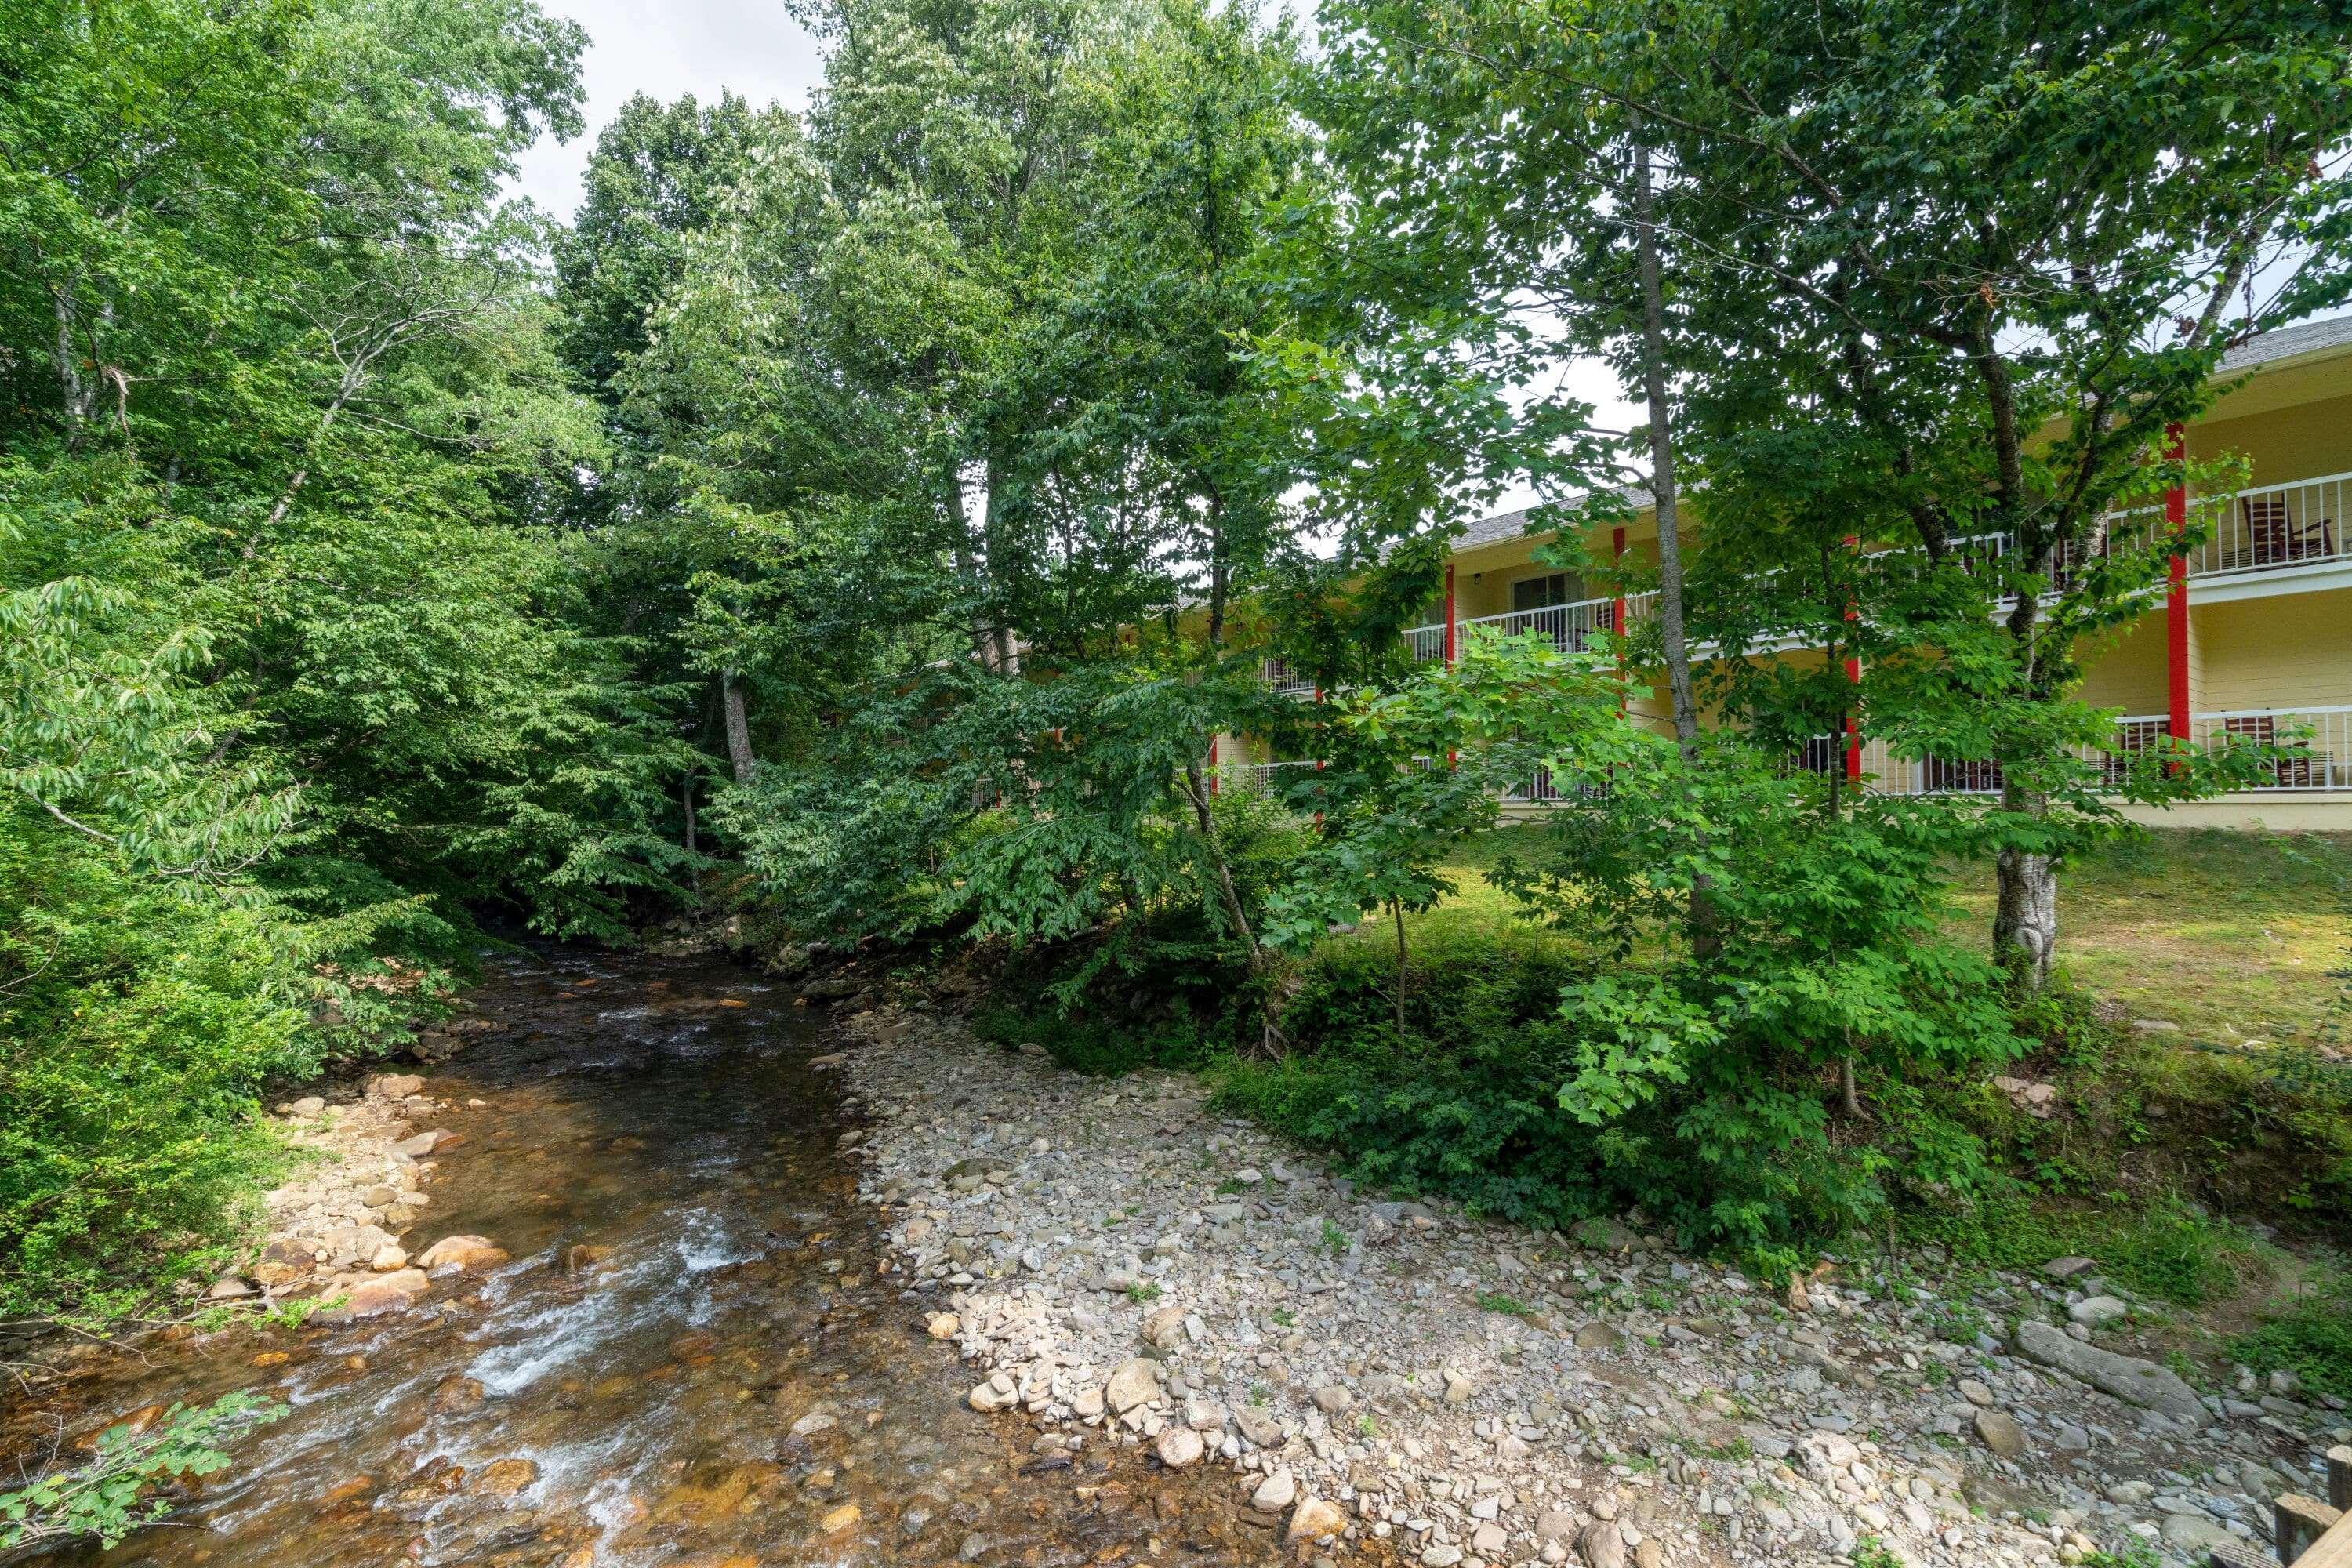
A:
{"points": [[2128, 669], [2284, 812], [2288, 650], [2301, 442]]}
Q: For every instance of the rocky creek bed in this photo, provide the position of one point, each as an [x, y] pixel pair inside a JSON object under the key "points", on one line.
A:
{"points": [[1124, 1268], [603, 1294]]}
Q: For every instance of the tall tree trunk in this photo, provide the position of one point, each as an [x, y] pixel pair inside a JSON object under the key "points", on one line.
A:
{"points": [[1008, 644], [693, 851], [739, 730], [1703, 936], [1260, 962], [2025, 919], [1396, 907]]}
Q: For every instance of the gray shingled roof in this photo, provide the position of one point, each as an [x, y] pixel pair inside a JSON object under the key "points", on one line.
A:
{"points": [[2288, 342]]}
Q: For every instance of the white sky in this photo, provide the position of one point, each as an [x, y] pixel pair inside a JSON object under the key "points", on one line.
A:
{"points": [[669, 47], [666, 49]]}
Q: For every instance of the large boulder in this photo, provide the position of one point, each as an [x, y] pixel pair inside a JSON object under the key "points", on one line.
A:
{"points": [[393, 1293], [462, 1254], [2128, 1378], [1135, 1382]]}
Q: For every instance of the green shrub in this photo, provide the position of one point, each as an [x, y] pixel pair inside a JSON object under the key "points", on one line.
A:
{"points": [[115, 1492], [2313, 1340], [143, 1018], [2166, 1250]]}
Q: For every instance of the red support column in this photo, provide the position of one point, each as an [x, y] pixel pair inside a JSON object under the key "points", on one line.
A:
{"points": [[1853, 677], [1617, 605], [2175, 592]]}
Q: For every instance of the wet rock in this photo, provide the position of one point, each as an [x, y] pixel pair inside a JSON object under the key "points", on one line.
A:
{"points": [[387, 1293], [837, 1519], [943, 1325], [2128, 1378], [999, 1393], [396, 1086], [388, 1257], [506, 1478], [1314, 1520], [584, 1257], [463, 1254], [421, 1145], [458, 1394]]}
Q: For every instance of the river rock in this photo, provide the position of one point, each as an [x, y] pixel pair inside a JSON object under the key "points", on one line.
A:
{"points": [[837, 1519], [1136, 1383], [422, 1144], [2128, 1378], [1333, 1400], [999, 1393], [393, 1293], [1277, 1491], [388, 1257], [458, 1394], [943, 1325], [308, 1106], [1314, 1520], [1603, 1545], [227, 1288], [505, 1478], [1179, 1447], [1599, 1336], [2000, 1433], [396, 1086], [1164, 1330], [2097, 1312], [464, 1253]]}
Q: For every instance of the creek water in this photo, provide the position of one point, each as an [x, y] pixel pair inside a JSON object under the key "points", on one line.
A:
{"points": [[739, 1382]]}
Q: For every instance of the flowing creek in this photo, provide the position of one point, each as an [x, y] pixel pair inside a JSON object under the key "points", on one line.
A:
{"points": [[734, 1386]]}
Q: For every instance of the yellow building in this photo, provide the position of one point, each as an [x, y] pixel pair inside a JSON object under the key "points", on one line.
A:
{"points": [[2254, 636]]}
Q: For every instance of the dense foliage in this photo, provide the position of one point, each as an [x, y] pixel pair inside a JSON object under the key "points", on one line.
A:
{"points": [[896, 506]]}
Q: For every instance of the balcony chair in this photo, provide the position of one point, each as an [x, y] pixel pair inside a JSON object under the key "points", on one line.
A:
{"points": [[2274, 540]]}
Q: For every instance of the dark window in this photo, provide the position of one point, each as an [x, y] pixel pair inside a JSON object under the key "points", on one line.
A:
{"points": [[1539, 592]]}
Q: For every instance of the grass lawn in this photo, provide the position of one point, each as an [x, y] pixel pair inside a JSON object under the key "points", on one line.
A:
{"points": [[2230, 935]]}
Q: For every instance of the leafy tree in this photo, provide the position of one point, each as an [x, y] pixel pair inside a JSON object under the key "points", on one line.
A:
{"points": [[1960, 273]]}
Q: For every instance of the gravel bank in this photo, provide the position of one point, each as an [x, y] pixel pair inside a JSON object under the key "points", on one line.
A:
{"points": [[1126, 1266]]}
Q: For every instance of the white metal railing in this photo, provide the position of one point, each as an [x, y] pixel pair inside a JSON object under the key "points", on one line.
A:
{"points": [[1569, 627], [2307, 522], [1285, 680], [2315, 744], [1426, 643], [2298, 524]]}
